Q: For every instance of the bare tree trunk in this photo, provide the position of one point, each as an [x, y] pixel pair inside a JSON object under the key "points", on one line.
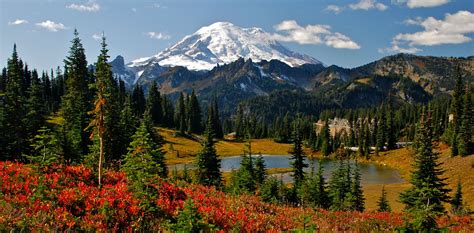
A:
{"points": [[101, 158]]}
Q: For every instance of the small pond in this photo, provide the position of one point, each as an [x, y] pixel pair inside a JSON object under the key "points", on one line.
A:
{"points": [[370, 173]]}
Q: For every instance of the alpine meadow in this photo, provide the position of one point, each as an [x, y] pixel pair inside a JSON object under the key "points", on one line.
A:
{"points": [[237, 116]]}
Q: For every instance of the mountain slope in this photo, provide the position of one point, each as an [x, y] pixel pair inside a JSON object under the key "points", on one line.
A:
{"points": [[223, 43]]}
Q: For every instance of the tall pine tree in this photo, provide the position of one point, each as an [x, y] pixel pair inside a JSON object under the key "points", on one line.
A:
{"points": [[428, 191], [75, 103]]}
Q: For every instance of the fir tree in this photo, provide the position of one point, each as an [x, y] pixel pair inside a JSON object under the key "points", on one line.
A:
{"points": [[154, 104], [313, 192], [75, 103], [338, 186], [239, 123], [355, 198], [140, 163], [464, 137], [14, 110], [325, 138], [138, 100], [260, 170], [189, 219], [213, 113], [128, 126], [428, 191], [273, 191], [456, 109], [35, 106], [207, 162], [383, 205], [194, 114], [45, 148], [382, 130], [457, 202], [297, 157], [244, 179], [390, 133], [99, 113], [181, 114]]}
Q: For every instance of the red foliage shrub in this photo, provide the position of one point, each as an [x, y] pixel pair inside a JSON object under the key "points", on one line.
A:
{"points": [[68, 198]]}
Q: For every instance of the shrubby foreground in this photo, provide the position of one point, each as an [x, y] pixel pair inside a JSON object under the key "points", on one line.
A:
{"points": [[69, 198]]}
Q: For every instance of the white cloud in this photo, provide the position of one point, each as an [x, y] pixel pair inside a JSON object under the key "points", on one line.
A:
{"points": [[334, 8], [368, 5], [421, 3], [360, 5], [396, 49], [158, 35], [51, 26], [97, 37], [315, 34], [454, 29], [340, 41], [90, 6], [18, 22], [134, 9]]}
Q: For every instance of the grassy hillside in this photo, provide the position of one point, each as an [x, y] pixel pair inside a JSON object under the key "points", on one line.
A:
{"points": [[456, 168]]}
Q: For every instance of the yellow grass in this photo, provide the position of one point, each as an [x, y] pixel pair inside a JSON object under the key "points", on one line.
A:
{"points": [[182, 149], [456, 168]]}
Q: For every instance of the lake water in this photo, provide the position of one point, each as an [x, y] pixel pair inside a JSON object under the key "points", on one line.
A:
{"points": [[370, 173]]}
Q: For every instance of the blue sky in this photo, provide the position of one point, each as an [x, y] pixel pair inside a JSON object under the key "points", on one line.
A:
{"points": [[42, 30]]}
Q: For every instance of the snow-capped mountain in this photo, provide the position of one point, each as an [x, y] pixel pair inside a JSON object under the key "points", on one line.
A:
{"points": [[220, 43]]}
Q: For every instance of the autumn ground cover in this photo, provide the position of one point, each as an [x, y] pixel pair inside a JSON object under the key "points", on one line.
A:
{"points": [[68, 198]]}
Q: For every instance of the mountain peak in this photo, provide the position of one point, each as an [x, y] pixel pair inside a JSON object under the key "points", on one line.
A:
{"points": [[223, 43]]}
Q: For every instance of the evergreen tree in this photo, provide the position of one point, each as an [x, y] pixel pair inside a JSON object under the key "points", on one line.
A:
{"points": [[428, 191], [244, 179], [189, 219], [325, 139], [456, 109], [141, 163], [355, 198], [382, 130], [194, 114], [35, 106], [239, 123], [213, 113], [297, 157], [390, 133], [272, 190], [383, 205], [154, 104], [99, 113], [181, 114], [138, 100], [464, 143], [457, 202], [128, 126], [168, 113], [338, 187], [14, 110], [45, 148], [260, 170], [207, 162], [313, 192], [75, 103]]}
